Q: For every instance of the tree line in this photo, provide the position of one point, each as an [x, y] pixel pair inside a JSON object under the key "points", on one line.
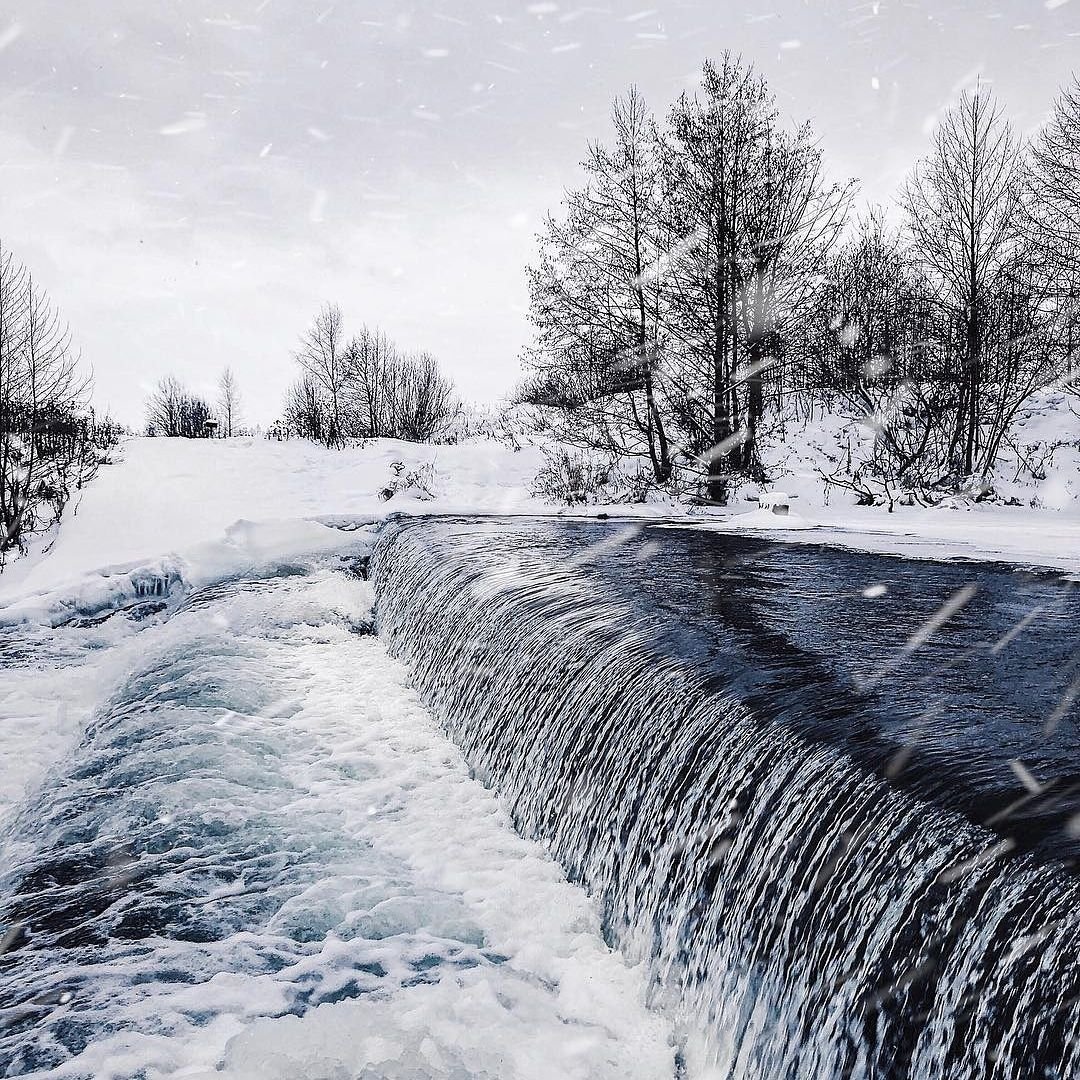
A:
{"points": [[173, 411], [51, 443], [365, 387], [708, 285]]}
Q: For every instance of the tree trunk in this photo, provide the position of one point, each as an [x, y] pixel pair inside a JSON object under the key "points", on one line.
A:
{"points": [[755, 389]]}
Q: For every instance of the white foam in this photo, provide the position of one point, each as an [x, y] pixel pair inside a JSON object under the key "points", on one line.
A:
{"points": [[326, 751]]}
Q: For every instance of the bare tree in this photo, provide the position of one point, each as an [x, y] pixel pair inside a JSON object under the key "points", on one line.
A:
{"points": [[173, 412], [164, 407], [1053, 204], [305, 413], [713, 146], [936, 346], [754, 218], [322, 355], [874, 316], [670, 287], [792, 219], [688, 296], [366, 388], [196, 417], [962, 207], [394, 396], [425, 401], [1052, 221], [873, 354], [371, 359], [228, 403], [597, 298], [45, 428]]}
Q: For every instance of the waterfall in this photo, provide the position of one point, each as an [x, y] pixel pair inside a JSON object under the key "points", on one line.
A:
{"points": [[799, 914]]}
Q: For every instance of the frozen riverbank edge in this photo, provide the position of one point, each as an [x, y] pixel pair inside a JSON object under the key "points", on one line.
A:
{"points": [[168, 499]]}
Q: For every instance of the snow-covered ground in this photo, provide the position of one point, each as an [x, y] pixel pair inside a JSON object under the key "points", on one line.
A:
{"points": [[1020, 535], [1038, 468], [167, 496]]}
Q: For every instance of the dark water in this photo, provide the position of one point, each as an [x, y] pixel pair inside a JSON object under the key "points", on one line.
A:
{"points": [[831, 797]]}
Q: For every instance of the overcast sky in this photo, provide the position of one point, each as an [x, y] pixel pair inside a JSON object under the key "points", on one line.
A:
{"points": [[191, 179]]}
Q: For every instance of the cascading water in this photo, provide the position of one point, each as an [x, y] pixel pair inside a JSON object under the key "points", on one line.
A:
{"points": [[255, 856], [834, 822]]}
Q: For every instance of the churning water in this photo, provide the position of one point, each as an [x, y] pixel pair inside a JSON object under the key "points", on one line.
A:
{"points": [[830, 799], [261, 857]]}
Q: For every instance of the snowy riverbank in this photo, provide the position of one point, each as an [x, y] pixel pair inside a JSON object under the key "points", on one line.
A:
{"points": [[174, 497], [180, 515]]}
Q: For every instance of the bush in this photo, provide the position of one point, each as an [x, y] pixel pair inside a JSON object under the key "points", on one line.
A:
{"points": [[418, 482], [576, 478]]}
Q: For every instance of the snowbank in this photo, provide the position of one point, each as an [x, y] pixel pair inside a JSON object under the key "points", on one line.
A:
{"points": [[1038, 464], [246, 548], [148, 519], [1027, 537], [167, 495], [1038, 472]]}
